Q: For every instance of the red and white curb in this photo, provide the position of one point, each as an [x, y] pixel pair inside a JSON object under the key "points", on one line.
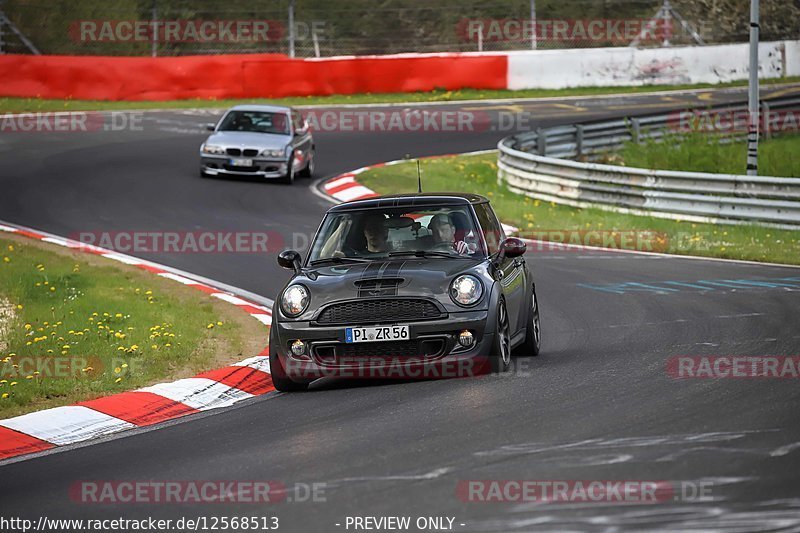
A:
{"points": [[61, 426]]}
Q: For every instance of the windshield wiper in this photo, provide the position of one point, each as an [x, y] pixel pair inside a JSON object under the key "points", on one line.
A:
{"points": [[428, 253], [339, 260]]}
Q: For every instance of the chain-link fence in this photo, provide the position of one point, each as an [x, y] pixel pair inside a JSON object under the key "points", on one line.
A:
{"points": [[308, 28]]}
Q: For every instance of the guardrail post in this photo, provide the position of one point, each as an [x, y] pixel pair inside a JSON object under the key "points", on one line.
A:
{"points": [[637, 130], [579, 139], [765, 119], [541, 141]]}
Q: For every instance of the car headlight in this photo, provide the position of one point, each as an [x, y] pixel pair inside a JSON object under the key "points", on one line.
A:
{"points": [[274, 153], [294, 301], [212, 149], [466, 290]]}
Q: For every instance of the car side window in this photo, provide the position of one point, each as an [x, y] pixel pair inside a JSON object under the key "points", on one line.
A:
{"points": [[490, 226]]}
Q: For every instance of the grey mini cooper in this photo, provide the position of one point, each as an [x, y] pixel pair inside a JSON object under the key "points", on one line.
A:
{"points": [[265, 141], [406, 286]]}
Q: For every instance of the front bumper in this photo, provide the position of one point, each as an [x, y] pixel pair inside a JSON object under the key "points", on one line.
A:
{"points": [[263, 168], [431, 351]]}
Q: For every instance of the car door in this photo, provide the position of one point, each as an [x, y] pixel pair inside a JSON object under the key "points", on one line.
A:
{"points": [[512, 270], [301, 138]]}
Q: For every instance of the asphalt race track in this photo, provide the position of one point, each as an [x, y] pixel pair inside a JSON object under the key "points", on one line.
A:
{"points": [[598, 404]]}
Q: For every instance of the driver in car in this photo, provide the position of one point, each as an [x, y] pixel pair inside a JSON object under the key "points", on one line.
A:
{"points": [[443, 232], [376, 232]]}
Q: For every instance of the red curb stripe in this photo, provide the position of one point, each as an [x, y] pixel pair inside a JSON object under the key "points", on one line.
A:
{"points": [[243, 378], [154, 270], [205, 288], [31, 234], [327, 185], [342, 187], [13, 443], [253, 310], [139, 408]]}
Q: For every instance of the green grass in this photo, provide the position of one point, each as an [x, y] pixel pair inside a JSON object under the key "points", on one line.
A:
{"points": [[549, 221], [86, 328], [18, 105], [779, 156]]}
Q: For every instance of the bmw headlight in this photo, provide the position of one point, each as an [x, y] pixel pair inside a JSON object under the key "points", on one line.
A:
{"points": [[466, 290], [294, 301], [212, 149], [274, 153]]}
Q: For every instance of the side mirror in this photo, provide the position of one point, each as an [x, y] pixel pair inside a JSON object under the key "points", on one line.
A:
{"points": [[211, 126], [512, 247], [289, 259]]}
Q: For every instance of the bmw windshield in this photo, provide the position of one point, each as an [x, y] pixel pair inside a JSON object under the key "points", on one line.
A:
{"points": [[256, 122]]}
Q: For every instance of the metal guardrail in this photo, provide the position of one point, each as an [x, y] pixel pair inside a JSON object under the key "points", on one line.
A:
{"points": [[536, 164]]}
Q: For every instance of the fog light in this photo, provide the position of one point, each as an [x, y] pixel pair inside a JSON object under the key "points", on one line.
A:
{"points": [[298, 347], [466, 339]]}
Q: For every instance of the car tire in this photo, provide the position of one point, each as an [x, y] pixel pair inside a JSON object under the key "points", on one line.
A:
{"points": [[308, 172], [281, 381], [288, 178], [533, 330], [501, 345]]}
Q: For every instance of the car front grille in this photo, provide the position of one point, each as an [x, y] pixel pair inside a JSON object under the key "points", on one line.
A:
{"points": [[374, 311], [343, 354], [247, 152]]}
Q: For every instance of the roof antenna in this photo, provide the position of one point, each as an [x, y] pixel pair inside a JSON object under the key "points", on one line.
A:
{"points": [[419, 178]]}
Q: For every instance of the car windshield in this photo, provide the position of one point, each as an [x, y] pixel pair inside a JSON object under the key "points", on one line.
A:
{"points": [[447, 231], [256, 121]]}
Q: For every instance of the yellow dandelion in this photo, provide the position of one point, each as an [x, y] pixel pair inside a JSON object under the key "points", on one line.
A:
{"points": [[209, 326], [118, 380], [117, 370], [5, 395]]}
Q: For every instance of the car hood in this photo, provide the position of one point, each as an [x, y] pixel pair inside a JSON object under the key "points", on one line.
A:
{"points": [[245, 139], [413, 277]]}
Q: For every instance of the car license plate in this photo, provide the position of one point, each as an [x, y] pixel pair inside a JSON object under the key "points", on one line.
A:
{"points": [[242, 162], [375, 334]]}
